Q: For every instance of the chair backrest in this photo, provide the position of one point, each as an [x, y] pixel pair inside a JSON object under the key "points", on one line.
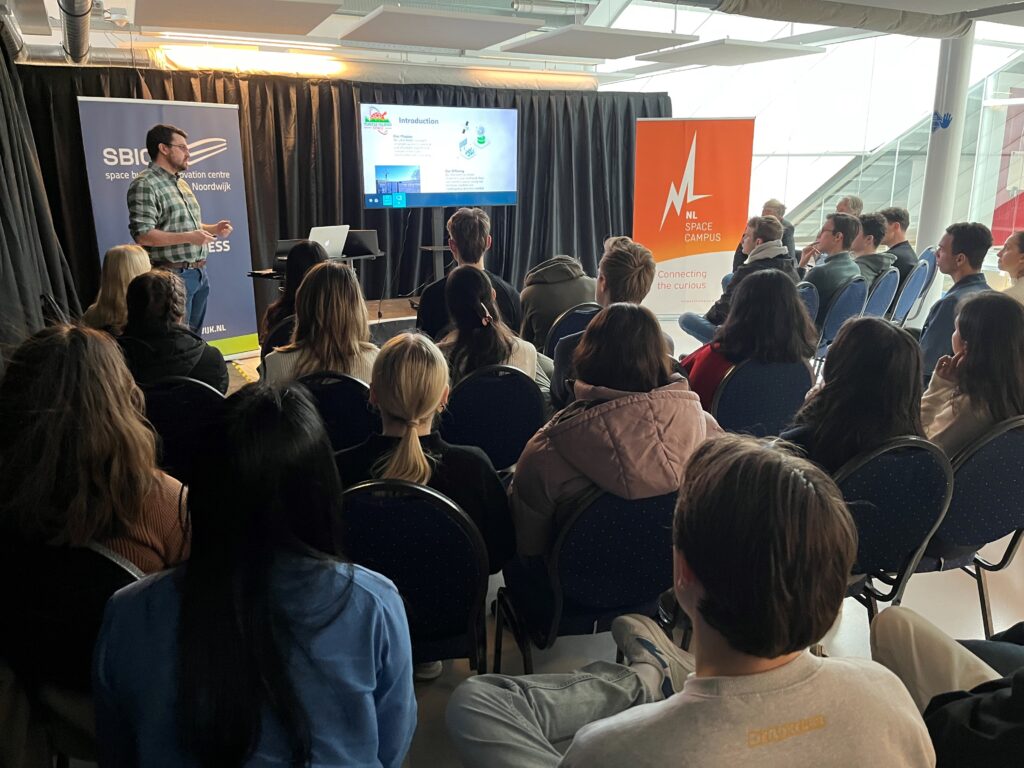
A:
{"points": [[278, 336], [180, 410], [929, 257], [761, 398], [913, 287], [573, 320], [615, 552], [55, 597], [898, 495], [989, 486], [344, 405], [427, 546], [848, 302], [808, 294], [883, 291], [497, 408]]}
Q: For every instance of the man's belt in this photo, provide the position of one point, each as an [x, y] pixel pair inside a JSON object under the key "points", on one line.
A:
{"points": [[180, 264]]}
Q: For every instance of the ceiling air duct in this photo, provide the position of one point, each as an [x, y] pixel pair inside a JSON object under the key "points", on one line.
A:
{"points": [[75, 18]]}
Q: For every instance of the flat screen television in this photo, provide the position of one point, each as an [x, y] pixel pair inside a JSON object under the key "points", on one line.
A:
{"points": [[424, 157]]}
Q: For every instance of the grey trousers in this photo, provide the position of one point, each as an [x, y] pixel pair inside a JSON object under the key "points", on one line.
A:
{"points": [[529, 721]]}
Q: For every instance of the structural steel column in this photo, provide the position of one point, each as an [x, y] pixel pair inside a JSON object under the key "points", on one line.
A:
{"points": [[944, 147]]}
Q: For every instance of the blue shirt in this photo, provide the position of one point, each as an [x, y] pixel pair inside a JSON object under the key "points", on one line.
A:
{"points": [[937, 331], [354, 678]]}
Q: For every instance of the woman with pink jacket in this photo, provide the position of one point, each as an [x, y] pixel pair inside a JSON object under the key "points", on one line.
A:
{"points": [[630, 432]]}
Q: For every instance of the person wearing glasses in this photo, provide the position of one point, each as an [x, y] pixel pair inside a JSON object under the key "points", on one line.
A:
{"points": [[164, 218], [833, 264]]}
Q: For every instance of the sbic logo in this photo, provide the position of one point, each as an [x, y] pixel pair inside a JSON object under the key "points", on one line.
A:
{"points": [[220, 246], [198, 152]]}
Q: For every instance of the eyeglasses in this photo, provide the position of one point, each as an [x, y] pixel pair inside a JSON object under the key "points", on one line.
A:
{"points": [[179, 146]]}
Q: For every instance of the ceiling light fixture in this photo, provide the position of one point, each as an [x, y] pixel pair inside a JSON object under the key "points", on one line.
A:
{"points": [[195, 37], [233, 59]]}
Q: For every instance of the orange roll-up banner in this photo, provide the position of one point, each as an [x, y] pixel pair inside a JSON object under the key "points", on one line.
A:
{"points": [[690, 203]]}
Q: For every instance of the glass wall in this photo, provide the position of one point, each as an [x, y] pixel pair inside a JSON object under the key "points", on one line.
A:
{"points": [[855, 119]]}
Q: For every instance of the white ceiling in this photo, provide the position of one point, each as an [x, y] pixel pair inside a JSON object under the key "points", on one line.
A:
{"points": [[394, 25], [591, 41], [930, 6], [729, 53]]}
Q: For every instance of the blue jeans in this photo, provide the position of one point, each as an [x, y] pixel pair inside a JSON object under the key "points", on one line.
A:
{"points": [[529, 721], [197, 292], [698, 326]]}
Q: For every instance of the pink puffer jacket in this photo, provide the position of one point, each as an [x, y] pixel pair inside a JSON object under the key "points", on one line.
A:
{"points": [[634, 445]]}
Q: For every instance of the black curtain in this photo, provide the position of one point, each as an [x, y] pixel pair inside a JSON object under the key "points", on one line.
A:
{"points": [[301, 158], [31, 261]]}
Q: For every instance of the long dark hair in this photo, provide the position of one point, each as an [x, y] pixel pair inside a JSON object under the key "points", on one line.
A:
{"points": [[265, 485], [991, 375], [623, 348], [481, 338], [871, 392], [303, 256], [767, 321]]}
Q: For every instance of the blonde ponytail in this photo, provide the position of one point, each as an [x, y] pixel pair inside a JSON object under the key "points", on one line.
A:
{"points": [[409, 379]]}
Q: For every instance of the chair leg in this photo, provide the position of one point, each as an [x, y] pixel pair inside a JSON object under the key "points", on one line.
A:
{"points": [[499, 630], [980, 576], [481, 646]]}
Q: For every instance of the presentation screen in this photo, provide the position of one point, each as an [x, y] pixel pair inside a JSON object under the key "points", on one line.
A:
{"points": [[420, 157]]}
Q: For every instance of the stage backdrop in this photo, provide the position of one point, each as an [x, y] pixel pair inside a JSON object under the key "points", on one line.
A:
{"points": [[692, 185], [114, 138]]}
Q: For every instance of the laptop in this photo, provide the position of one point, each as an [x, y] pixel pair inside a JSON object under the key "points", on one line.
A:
{"points": [[362, 242], [331, 238]]}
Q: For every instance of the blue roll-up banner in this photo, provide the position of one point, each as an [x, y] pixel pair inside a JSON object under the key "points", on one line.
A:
{"points": [[114, 135]]}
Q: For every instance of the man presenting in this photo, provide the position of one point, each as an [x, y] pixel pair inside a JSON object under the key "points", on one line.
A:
{"points": [[164, 217]]}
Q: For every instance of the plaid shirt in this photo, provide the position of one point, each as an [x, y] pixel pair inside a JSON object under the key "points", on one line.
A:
{"points": [[161, 200]]}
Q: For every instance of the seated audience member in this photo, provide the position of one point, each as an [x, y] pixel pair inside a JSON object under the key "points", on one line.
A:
{"points": [[551, 288], [156, 342], [752, 523], [410, 387], [121, 265], [266, 647], [897, 222], [629, 433], [960, 254], [763, 245], [77, 469], [624, 274], [777, 209], [479, 337], [303, 256], [469, 237], [870, 255], [982, 383], [850, 204], [332, 329], [1011, 261], [767, 322], [974, 710], [870, 383], [835, 266]]}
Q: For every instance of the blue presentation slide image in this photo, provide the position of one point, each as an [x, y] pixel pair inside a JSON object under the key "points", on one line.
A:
{"points": [[393, 179]]}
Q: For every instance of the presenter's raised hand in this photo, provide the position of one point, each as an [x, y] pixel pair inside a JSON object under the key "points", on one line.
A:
{"points": [[222, 228], [199, 237]]}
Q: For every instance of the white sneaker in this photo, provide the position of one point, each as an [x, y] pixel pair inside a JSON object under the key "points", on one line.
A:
{"points": [[427, 670], [641, 640]]}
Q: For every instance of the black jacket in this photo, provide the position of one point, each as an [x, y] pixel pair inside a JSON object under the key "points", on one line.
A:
{"points": [[432, 317], [720, 309], [463, 473], [179, 352], [906, 259]]}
